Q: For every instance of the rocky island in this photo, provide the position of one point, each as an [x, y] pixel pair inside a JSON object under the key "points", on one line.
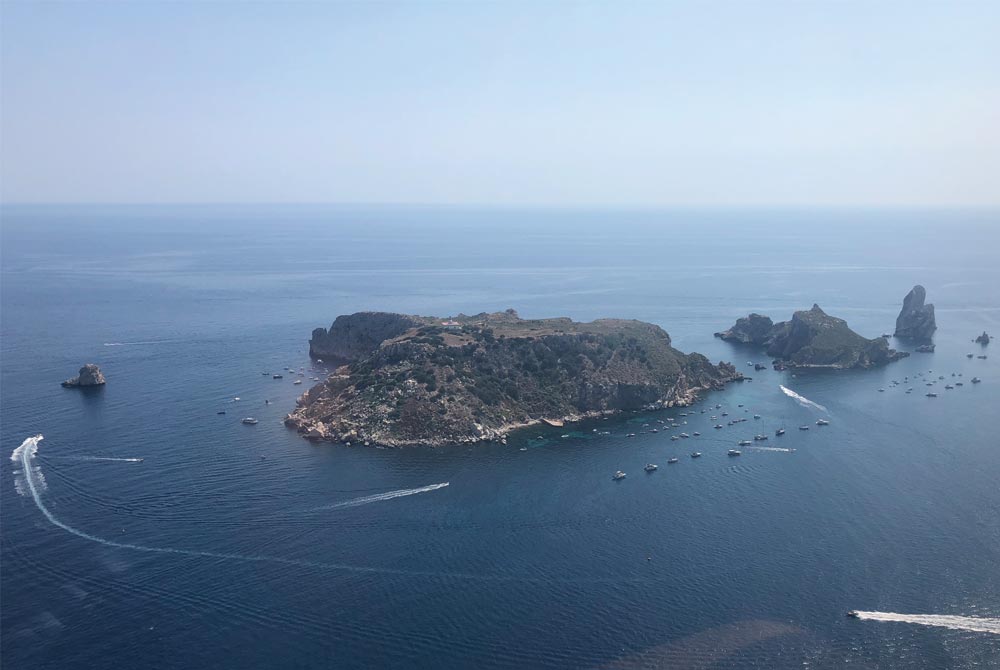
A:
{"points": [[811, 339], [411, 380], [916, 320], [90, 375]]}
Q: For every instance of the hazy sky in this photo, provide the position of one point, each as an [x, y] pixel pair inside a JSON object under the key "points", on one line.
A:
{"points": [[670, 103]]}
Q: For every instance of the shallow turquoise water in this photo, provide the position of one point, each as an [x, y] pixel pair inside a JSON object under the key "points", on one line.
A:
{"points": [[525, 558]]}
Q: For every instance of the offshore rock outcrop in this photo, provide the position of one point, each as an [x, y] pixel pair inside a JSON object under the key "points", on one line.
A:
{"points": [[916, 320], [474, 378], [983, 339], [90, 375], [812, 338]]}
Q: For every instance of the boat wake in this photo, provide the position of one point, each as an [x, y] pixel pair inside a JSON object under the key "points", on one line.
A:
{"points": [[99, 458], [975, 624], [388, 495], [32, 484], [129, 344], [802, 400], [781, 449]]}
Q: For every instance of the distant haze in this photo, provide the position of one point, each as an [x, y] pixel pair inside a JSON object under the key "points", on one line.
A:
{"points": [[672, 103]]}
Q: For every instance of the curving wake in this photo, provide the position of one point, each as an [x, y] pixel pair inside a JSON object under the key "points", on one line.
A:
{"points": [[975, 624], [802, 400]]}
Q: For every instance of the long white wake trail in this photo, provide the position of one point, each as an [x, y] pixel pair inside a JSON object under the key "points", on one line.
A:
{"points": [[970, 623], [108, 459], [388, 495], [802, 400], [30, 483]]}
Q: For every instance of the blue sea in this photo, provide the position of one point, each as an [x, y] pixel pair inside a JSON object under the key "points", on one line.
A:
{"points": [[236, 546]]}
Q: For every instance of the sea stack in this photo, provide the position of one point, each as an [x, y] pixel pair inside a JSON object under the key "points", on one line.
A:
{"points": [[916, 320], [90, 375], [983, 339]]}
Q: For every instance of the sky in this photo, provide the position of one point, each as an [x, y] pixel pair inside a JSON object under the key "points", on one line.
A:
{"points": [[537, 103]]}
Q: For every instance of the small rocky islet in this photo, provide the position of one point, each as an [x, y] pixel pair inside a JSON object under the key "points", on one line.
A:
{"points": [[89, 376], [811, 339], [410, 380]]}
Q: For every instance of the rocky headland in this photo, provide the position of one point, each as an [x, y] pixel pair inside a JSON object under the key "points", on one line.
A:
{"points": [[916, 319], [811, 339], [411, 380], [90, 375]]}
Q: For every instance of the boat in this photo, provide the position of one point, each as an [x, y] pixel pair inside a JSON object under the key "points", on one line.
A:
{"points": [[277, 376], [822, 422], [756, 416], [976, 380], [672, 460], [523, 449], [948, 387], [222, 412], [296, 382], [779, 432], [735, 452], [932, 395], [983, 357], [630, 435], [685, 435], [803, 427], [250, 421], [696, 433], [674, 438], [760, 438], [650, 467], [743, 443], [968, 355], [718, 425], [853, 614], [696, 454], [618, 475]]}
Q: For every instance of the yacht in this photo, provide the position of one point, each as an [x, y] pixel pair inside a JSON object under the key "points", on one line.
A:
{"points": [[696, 433], [760, 438], [734, 452], [976, 380], [630, 435], [296, 382], [756, 416], [674, 438], [803, 427], [932, 395], [222, 412], [743, 443], [968, 355], [685, 435], [618, 475], [650, 467], [779, 432], [250, 421], [696, 454], [718, 425], [671, 460], [822, 422], [277, 376], [854, 614]]}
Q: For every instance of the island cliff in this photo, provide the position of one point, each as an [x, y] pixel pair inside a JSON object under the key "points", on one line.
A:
{"points": [[916, 320], [475, 378], [90, 375], [811, 339]]}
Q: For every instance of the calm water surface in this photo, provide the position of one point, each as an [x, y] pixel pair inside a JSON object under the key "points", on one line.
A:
{"points": [[249, 547]]}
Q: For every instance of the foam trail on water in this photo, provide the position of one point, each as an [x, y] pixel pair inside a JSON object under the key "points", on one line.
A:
{"points": [[970, 623], [100, 458], [388, 495], [33, 486], [804, 401], [128, 344], [781, 449]]}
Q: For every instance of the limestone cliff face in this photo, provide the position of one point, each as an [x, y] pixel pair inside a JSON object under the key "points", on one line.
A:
{"points": [[90, 375], [355, 335], [916, 320], [754, 329], [812, 338], [468, 379]]}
